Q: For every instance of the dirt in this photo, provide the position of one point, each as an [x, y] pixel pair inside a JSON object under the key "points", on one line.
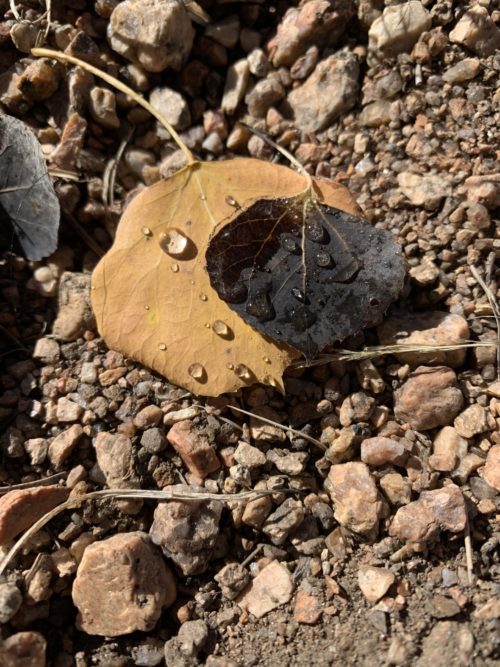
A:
{"points": [[411, 128]]}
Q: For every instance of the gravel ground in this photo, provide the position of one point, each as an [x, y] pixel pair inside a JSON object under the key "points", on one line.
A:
{"points": [[354, 547]]}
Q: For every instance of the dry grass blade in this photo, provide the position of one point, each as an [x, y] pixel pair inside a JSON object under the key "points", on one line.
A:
{"points": [[63, 57], [46, 481], [286, 429], [382, 350], [160, 496]]}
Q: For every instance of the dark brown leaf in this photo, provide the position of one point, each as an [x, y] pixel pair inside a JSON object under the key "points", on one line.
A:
{"points": [[305, 273]]}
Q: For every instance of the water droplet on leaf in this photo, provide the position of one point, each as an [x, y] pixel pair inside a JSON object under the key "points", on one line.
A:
{"points": [[260, 307], [203, 296], [220, 328], [173, 242], [231, 201], [302, 318], [323, 259], [196, 371], [162, 347], [175, 268], [147, 232], [314, 231], [243, 372], [289, 244], [298, 294]]}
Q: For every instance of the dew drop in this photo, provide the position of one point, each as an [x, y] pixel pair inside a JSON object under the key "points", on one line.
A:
{"points": [[243, 372], [298, 294], [207, 325], [203, 197], [147, 232], [268, 379], [266, 360], [230, 367], [196, 371], [173, 242], [302, 319], [260, 307], [175, 268], [146, 307], [231, 201], [314, 231], [203, 296], [220, 328], [289, 244], [323, 259], [162, 347]]}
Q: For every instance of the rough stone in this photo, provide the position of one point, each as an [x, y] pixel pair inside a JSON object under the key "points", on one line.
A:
{"points": [[358, 504], [256, 512], [102, 107], [472, 421], [66, 153], [464, 70], [115, 460], [396, 488], [248, 456], [122, 585], [75, 313], [491, 470], [307, 609], [317, 22], [62, 446], [232, 579], [397, 30], [429, 328], [172, 106], [21, 508], [427, 191], [11, 600], [186, 530], [272, 587], [237, 77], [266, 93], [421, 520], [260, 430], [46, 350], [477, 31], [283, 521], [194, 449], [23, 649], [357, 407], [149, 416], [448, 447], [429, 398], [374, 582], [331, 90], [153, 34], [381, 451]]}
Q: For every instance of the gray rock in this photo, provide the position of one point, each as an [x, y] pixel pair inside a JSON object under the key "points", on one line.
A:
{"points": [[331, 90], [232, 579], [283, 521], [11, 600], [172, 106], [187, 530], [397, 30], [263, 95], [153, 34]]}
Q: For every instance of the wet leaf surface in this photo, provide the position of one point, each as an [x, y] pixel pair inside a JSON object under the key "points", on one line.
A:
{"points": [[27, 195], [305, 274], [152, 294]]}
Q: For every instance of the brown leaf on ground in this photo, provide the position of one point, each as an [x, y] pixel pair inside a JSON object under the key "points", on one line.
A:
{"points": [[151, 293]]}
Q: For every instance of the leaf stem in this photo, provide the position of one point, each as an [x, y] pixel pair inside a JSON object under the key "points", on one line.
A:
{"points": [[57, 55]]}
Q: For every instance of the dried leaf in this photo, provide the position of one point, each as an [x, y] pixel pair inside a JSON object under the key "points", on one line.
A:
{"points": [[152, 295], [304, 273], [26, 192]]}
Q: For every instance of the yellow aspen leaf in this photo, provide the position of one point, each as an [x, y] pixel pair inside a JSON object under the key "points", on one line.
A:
{"points": [[151, 293]]}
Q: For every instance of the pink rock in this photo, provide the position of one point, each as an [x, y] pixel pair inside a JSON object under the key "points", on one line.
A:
{"points": [[379, 451], [114, 457], [194, 449], [429, 398], [472, 421], [421, 520], [24, 649], [61, 447], [122, 585], [21, 508], [272, 587], [358, 503], [430, 328], [491, 470], [448, 447], [307, 609], [374, 582]]}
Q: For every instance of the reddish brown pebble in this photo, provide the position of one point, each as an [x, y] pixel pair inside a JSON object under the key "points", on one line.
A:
{"points": [[429, 398], [122, 585], [21, 508], [380, 451], [491, 470], [61, 447], [307, 609], [194, 449]]}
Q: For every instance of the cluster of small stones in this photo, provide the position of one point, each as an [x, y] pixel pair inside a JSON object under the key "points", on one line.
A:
{"points": [[411, 443]]}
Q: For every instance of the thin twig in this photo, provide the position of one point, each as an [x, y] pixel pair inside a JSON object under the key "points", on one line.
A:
{"points": [[468, 552], [494, 307]]}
